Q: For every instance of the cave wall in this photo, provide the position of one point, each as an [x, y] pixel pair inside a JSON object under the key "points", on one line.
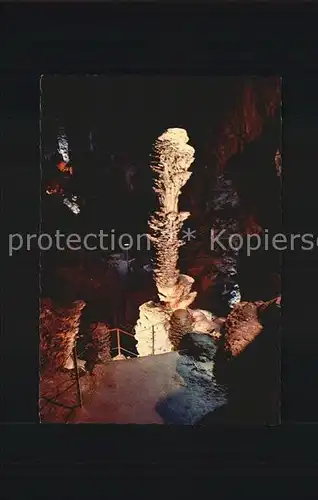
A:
{"points": [[259, 187], [235, 127], [243, 148]]}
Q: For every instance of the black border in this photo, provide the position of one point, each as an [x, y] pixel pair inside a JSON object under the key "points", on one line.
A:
{"points": [[140, 38]]}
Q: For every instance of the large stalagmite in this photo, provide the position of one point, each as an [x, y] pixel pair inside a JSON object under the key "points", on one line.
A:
{"points": [[172, 159], [58, 333]]}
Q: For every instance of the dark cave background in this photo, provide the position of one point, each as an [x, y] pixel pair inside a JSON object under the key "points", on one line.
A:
{"points": [[125, 115]]}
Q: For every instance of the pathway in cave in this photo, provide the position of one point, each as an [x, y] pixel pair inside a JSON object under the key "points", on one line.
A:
{"points": [[127, 391], [161, 389]]}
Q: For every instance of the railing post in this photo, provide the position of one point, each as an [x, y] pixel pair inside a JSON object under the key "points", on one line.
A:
{"points": [[118, 342], [78, 387]]}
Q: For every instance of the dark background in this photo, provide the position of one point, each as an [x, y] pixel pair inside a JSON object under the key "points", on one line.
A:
{"points": [[40, 41], [126, 113], [131, 112]]}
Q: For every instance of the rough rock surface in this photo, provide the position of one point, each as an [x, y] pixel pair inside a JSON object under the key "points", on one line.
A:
{"points": [[252, 373], [178, 295], [200, 393], [58, 330], [99, 349], [203, 321], [180, 323], [241, 327], [151, 331], [172, 159], [246, 322], [200, 347]]}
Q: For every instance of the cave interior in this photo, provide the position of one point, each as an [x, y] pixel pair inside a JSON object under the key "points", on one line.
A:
{"points": [[234, 124]]}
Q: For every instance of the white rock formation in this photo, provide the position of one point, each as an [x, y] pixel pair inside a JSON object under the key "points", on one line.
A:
{"points": [[62, 146], [72, 205], [203, 321], [172, 158], [152, 329]]}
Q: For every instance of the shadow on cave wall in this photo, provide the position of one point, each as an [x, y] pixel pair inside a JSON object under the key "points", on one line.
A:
{"points": [[255, 178], [253, 378], [200, 393], [244, 390]]}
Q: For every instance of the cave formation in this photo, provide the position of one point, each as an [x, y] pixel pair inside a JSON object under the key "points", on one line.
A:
{"points": [[240, 141], [172, 159]]}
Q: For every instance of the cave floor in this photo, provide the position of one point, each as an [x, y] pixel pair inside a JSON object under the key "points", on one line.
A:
{"points": [[127, 391], [162, 389]]}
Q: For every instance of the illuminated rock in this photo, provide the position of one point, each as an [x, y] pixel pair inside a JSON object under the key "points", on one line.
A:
{"points": [[151, 331], [172, 158], [62, 146], [72, 205], [58, 331]]}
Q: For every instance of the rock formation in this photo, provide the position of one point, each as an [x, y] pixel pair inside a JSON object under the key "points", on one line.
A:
{"points": [[245, 323], [151, 331], [278, 163], [101, 341], [247, 362], [198, 346], [58, 331], [172, 159], [204, 322], [180, 324], [225, 210], [199, 393], [241, 327], [62, 145]]}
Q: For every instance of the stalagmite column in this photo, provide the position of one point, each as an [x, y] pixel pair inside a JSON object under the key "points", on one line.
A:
{"points": [[172, 159], [58, 332]]}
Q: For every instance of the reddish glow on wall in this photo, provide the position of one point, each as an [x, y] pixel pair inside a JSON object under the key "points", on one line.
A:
{"points": [[272, 95], [54, 188], [65, 167], [251, 225], [245, 123], [278, 163]]}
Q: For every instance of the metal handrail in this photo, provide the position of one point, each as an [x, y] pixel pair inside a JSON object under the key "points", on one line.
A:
{"points": [[73, 353], [76, 381], [126, 350], [122, 331]]}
